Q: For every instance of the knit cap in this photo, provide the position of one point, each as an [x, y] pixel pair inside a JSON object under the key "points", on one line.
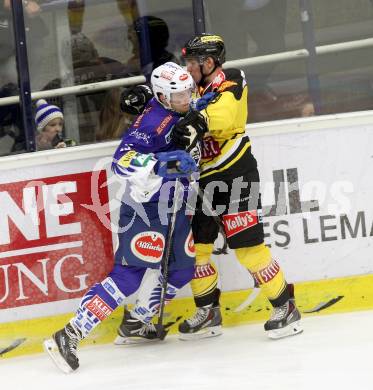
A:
{"points": [[45, 113]]}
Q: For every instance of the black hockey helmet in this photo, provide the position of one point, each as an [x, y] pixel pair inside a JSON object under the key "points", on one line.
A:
{"points": [[205, 45]]}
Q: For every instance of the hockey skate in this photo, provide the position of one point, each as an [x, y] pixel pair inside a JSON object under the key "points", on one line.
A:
{"points": [[133, 331], [62, 348], [284, 321], [206, 322]]}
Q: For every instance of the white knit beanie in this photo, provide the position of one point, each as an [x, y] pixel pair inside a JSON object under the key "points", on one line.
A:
{"points": [[45, 113]]}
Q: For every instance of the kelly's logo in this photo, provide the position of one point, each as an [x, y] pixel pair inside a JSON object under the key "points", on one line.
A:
{"points": [[236, 223]]}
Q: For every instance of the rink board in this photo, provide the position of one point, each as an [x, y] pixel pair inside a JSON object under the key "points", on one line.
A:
{"points": [[322, 297], [58, 228]]}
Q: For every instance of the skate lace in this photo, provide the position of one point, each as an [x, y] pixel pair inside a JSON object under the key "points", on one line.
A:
{"points": [[73, 341], [200, 316], [147, 329], [279, 313]]}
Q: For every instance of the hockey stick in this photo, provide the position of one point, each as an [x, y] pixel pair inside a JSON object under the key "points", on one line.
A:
{"points": [[12, 346], [250, 298], [161, 332]]}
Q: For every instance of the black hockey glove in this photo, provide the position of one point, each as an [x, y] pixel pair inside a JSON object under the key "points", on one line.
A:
{"points": [[189, 130], [134, 99]]}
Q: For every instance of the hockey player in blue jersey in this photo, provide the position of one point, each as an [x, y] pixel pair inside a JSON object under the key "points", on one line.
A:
{"points": [[148, 160]]}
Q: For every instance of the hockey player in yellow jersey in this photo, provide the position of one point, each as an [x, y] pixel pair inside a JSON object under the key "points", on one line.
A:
{"points": [[227, 160], [229, 178]]}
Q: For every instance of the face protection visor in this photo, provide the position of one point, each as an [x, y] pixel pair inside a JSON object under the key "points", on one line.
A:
{"points": [[181, 98]]}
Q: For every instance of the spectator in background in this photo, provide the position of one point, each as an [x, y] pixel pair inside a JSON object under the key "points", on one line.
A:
{"points": [[148, 36], [148, 33], [149, 43], [7, 50], [98, 120], [7, 59], [307, 109], [10, 116], [11, 130], [112, 121], [36, 30], [129, 11], [86, 67], [49, 123], [290, 105]]}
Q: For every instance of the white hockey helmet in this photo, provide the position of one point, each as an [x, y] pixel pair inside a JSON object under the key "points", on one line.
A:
{"points": [[169, 79]]}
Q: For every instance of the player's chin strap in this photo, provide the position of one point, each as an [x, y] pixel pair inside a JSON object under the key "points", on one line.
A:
{"points": [[203, 78]]}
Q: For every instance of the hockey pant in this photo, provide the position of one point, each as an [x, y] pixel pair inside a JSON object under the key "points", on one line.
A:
{"points": [[103, 298], [257, 259]]}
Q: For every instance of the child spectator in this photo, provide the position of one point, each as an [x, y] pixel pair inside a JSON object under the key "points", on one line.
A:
{"points": [[49, 123]]}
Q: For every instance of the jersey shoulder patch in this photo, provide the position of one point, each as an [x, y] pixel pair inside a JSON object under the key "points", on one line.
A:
{"points": [[135, 159], [226, 84], [234, 82]]}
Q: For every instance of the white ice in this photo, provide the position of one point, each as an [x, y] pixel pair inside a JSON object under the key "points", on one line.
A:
{"points": [[334, 352]]}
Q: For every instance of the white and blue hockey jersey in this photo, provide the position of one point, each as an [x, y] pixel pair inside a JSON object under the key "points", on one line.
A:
{"points": [[134, 159]]}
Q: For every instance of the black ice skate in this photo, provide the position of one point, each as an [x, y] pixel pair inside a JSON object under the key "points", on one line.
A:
{"points": [[206, 322], [134, 331], [284, 321], [62, 348]]}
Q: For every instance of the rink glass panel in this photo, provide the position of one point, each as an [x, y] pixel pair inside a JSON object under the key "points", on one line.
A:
{"points": [[93, 41], [73, 43], [279, 91]]}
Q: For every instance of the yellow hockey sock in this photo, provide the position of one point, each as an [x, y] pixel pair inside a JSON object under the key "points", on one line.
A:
{"points": [[265, 270], [205, 279]]}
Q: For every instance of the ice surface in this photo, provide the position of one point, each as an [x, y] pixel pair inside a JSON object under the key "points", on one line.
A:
{"points": [[333, 352]]}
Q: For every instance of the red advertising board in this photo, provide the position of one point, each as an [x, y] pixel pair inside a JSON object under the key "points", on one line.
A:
{"points": [[53, 246]]}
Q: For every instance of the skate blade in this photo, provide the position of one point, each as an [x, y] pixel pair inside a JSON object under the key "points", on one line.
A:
{"points": [[290, 330], [120, 340], [51, 348], [204, 333]]}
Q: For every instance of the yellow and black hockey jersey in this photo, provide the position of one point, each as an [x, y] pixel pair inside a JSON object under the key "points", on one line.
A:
{"points": [[226, 145]]}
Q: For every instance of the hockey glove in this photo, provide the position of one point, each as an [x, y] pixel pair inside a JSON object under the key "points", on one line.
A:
{"points": [[133, 100], [203, 102], [177, 163], [189, 130]]}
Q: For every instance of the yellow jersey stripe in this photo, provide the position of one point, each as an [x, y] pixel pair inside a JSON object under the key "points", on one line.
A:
{"points": [[229, 164]]}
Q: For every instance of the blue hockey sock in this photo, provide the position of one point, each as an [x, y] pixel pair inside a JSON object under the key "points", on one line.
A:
{"points": [[103, 298]]}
